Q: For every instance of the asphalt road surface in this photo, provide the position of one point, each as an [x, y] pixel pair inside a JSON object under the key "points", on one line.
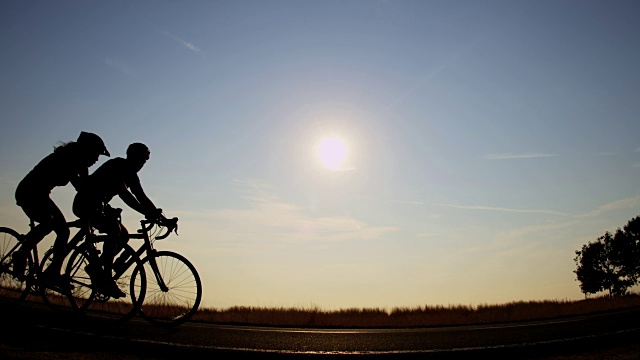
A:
{"points": [[35, 332]]}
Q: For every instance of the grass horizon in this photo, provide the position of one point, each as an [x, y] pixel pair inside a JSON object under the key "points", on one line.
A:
{"points": [[403, 317], [418, 316]]}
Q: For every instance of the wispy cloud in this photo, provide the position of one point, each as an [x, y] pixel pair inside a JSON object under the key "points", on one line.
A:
{"points": [[267, 214], [627, 203], [513, 239], [121, 66], [393, 201], [184, 43], [491, 208], [424, 80], [507, 156], [426, 234]]}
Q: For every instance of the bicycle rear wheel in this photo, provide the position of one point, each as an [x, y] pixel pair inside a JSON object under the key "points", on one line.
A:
{"points": [[89, 301], [14, 288], [183, 294]]}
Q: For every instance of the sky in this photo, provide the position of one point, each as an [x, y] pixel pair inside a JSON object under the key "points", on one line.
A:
{"points": [[483, 142]]}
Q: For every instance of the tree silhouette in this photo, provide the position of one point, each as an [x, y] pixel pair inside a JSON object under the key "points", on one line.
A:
{"points": [[612, 262]]}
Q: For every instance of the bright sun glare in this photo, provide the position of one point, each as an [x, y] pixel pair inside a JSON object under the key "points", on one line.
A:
{"points": [[332, 152]]}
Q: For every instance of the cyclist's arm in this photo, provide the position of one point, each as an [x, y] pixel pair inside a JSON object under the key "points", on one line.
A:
{"points": [[78, 180], [149, 209], [132, 202]]}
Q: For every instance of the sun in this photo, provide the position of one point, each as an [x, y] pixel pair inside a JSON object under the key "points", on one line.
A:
{"points": [[332, 152]]}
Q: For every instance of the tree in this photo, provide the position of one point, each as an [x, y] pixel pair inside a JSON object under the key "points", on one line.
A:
{"points": [[612, 262]]}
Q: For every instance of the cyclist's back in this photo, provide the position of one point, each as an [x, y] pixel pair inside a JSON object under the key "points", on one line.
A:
{"points": [[117, 176], [109, 180], [68, 163], [56, 169]]}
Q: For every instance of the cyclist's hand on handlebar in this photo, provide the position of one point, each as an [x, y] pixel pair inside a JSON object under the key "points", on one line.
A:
{"points": [[171, 224], [154, 215], [112, 213]]}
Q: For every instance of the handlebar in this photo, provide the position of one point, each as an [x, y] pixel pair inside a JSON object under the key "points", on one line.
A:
{"points": [[171, 225], [146, 225]]}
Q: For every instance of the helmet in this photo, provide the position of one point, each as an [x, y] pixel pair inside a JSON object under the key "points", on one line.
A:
{"points": [[93, 142], [138, 151]]}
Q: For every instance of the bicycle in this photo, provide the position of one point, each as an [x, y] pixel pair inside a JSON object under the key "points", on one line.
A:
{"points": [[162, 286], [12, 284], [17, 287]]}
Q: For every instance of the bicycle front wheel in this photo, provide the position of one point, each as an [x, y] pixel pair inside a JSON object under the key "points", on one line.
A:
{"points": [[14, 287], [87, 297], [180, 299]]}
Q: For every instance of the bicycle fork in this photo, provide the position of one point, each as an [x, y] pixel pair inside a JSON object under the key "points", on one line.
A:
{"points": [[128, 258], [156, 271]]}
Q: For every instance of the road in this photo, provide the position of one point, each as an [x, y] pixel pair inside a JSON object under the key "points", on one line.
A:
{"points": [[33, 331]]}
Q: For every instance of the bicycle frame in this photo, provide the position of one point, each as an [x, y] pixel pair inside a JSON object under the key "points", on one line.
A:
{"points": [[176, 288], [12, 250], [85, 231], [125, 260], [20, 244], [36, 264], [77, 238]]}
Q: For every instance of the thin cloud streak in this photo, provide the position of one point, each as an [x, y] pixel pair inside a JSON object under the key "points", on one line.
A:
{"points": [[287, 222], [626, 203], [126, 69], [491, 208], [184, 43], [391, 201], [507, 156]]}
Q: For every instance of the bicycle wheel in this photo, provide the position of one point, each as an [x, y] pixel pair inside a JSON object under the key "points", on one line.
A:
{"points": [[183, 294], [14, 288], [54, 299], [86, 297]]}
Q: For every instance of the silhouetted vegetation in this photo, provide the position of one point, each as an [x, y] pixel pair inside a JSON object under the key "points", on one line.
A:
{"points": [[612, 262], [420, 316]]}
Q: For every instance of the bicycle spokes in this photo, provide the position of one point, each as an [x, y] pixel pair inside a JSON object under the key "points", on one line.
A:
{"points": [[15, 286], [175, 299]]}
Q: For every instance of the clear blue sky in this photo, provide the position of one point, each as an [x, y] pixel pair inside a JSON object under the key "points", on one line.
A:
{"points": [[485, 141]]}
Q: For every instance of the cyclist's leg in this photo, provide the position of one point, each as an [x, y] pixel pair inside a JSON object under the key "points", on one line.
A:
{"points": [[59, 226], [49, 217], [90, 300], [115, 246], [111, 227], [103, 271], [38, 209]]}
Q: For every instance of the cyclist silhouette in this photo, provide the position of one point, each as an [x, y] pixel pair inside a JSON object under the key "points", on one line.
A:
{"points": [[116, 176], [69, 162]]}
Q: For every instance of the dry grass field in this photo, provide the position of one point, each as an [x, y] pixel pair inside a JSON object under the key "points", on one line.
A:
{"points": [[421, 316]]}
